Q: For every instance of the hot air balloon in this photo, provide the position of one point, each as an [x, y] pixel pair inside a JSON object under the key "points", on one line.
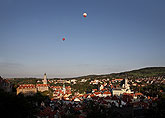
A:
{"points": [[85, 14], [63, 39]]}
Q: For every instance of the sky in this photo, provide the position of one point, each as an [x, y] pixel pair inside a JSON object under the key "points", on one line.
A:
{"points": [[116, 36]]}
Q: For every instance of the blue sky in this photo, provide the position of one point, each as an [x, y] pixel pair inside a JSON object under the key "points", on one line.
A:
{"points": [[117, 35]]}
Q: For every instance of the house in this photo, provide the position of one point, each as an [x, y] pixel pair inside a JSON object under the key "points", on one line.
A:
{"points": [[42, 87], [27, 89], [123, 89], [94, 90], [101, 87], [30, 89], [74, 81], [97, 94], [137, 95], [77, 100], [106, 93], [5, 85]]}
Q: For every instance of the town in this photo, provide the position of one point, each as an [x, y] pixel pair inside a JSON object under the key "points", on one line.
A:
{"points": [[89, 97]]}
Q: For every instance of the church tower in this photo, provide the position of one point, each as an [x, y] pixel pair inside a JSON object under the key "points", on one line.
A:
{"points": [[45, 79], [126, 83], [64, 90]]}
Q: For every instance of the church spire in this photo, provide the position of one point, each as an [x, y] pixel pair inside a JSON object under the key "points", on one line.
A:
{"points": [[45, 79]]}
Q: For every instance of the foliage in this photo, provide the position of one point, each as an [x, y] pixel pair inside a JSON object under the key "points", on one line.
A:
{"points": [[19, 106], [17, 81], [15, 106], [83, 87]]}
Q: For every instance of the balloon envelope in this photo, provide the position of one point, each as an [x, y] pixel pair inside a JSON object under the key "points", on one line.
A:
{"points": [[85, 14]]}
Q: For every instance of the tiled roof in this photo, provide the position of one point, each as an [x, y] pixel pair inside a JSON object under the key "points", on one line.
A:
{"points": [[43, 85], [138, 94], [107, 92], [97, 93], [22, 86]]}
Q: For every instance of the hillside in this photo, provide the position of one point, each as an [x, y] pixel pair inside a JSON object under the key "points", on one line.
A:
{"points": [[144, 72], [147, 72]]}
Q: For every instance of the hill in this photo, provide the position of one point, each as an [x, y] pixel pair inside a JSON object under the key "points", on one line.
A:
{"points": [[140, 73], [147, 72]]}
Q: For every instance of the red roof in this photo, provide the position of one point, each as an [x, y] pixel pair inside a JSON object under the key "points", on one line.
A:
{"points": [[85, 95], [94, 89], [138, 94], [129, 94], [107, 92], [97, 93], [22, 86], [67, 87], [57, 87], [161, 91], [81, 95], [42, 85], [91, 95], [103, 89]]}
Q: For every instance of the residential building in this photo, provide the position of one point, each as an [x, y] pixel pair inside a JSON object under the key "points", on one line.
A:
{"points": [[5, 85], [27, 89], [124, 88]]}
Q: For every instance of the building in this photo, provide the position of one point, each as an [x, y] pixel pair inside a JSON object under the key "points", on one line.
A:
{"points": [[27, 89], [30, 89], [101, 87], [106, 93], [45, 79], [44, 86], [124, 88], [5, 85], [64, 90]]}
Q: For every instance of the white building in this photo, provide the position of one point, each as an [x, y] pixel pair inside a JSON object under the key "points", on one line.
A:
{"points": [[44, 86], [124, 89], [74, 81], [45, 79], [101, 87]]}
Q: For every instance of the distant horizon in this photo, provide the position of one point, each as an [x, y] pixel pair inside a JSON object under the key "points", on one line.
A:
{"points": [[41, 76]]}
